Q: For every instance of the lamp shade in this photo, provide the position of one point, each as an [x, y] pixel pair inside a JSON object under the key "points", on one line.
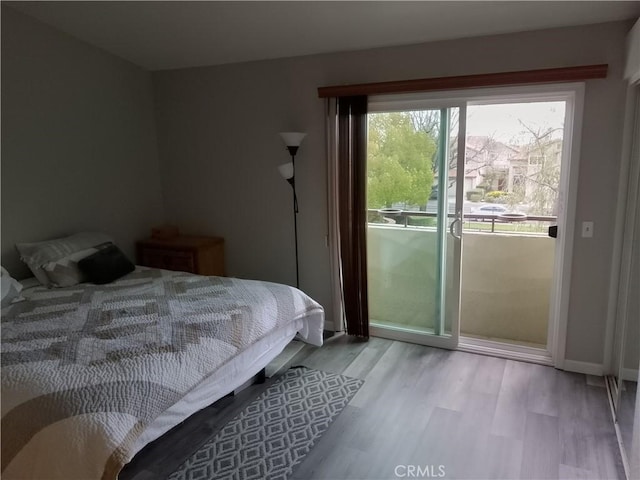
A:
{"points": [[286, 170], [292, 139]]}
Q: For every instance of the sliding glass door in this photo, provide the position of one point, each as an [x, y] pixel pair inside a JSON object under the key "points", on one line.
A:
{"points": [[415, 169]]}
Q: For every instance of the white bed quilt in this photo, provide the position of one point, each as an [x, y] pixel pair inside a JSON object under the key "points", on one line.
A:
{"points": [[85, 369]]}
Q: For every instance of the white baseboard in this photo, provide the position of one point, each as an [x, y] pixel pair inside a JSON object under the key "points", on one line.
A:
{"points": [[584, 367], [505, 350], [630, 374], [333, 325]]}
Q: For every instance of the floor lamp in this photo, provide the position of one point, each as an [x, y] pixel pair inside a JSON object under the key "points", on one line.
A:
{"points": [[288, 171]]}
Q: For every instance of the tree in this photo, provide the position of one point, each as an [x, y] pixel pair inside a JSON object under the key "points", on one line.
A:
{"points": [[400, 161], [428, 121], [542, 178], [402, 149]]}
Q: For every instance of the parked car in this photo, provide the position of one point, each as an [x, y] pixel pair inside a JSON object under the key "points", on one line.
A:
{"points": [[489, 210]]}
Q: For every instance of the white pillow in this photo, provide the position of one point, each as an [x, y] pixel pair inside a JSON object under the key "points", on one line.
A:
{"points": [[65, 272], [9, 287], [38, 254]]}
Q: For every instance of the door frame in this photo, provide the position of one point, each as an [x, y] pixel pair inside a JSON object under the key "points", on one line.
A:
{"points": [[399, 103], [573, 95], [626, 192]]}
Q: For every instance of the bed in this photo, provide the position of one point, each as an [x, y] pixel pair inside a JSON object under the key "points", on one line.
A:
{"points": [[93, 373]]}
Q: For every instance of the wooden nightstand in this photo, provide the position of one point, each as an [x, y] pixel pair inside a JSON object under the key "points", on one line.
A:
{"points": [[201, 255]]}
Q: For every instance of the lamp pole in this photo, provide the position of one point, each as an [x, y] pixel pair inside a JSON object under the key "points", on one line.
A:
{"points": [[292, 140], [292, 151]]}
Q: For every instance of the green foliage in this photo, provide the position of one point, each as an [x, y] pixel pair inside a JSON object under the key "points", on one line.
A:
{"points": [[475, 194], [422, 221], [399, 161], [497, 196]]}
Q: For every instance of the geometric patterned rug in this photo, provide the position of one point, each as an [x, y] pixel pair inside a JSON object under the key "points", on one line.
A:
{"points": [[274, 432]]}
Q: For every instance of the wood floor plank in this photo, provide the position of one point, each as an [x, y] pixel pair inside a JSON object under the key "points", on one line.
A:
{"points": [[574, 407], [594, 381], [542, 394], [576, 428], [541, 447], [477, 416], [606, 461], [500, 457], [439, 443], [489, 373], [567, 472], [388, 394], [588, 443], [456, 379], [336, 354], [382, 375], [367, 358], [510, 414], [479, 411]]}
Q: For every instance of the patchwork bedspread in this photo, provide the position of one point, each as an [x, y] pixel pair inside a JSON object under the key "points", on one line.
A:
{"points": [[85, 369]]}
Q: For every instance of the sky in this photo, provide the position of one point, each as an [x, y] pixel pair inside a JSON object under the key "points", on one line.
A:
{"points": [[501, 121]]}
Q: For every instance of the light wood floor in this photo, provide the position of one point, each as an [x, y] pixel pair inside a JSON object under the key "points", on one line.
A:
{"points": [[479, 417]]}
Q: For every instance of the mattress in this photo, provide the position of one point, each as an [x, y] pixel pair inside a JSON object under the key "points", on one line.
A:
{"points": [[110, 368], [227, 379]]}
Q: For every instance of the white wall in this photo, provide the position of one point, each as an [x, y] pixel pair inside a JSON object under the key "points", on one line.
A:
{"points": [[79, 147], [632, 70], [219, 150]]}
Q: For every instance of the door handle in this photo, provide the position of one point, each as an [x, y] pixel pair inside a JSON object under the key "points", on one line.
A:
{"points": [[456, 221]]}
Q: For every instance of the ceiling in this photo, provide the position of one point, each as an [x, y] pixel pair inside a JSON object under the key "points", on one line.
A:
{"points": [[177, 34]]}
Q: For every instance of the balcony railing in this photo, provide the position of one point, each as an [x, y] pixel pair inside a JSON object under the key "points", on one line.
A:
{"points": [[506, 279], [528, 223]]}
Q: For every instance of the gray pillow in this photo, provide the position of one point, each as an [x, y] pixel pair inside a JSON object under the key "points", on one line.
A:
{"points": [[37, 255]]}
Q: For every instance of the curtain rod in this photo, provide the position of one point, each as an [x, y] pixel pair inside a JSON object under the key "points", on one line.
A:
{"points": [[548, 75]]}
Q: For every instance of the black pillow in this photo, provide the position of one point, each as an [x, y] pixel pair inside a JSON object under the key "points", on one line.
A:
{"points": [[106, 265]]}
